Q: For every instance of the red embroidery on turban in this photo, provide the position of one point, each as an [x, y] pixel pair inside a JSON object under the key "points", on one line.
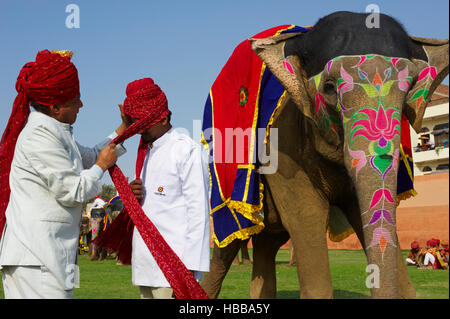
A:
{"points": [[50, 80]]}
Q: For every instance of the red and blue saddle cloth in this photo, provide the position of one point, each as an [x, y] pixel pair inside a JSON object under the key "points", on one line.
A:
{"points": [[243, 100]]}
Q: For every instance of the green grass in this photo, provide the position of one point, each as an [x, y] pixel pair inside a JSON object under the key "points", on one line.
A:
{"points": [[106, 280]]}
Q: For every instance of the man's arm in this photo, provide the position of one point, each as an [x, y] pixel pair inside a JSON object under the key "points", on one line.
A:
{"points": [[195, 193], [52, 162], [89, 155]]}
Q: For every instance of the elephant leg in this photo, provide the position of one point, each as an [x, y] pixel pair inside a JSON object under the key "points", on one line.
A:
{"points": [[236, 260], [219, 266], [303, 210], [291, 254], [311, 253], [103, 254], [405, 287], [265, 248], [244, 251]]}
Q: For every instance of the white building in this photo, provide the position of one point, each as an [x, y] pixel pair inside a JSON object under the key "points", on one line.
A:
{"points": [[430, 148]]}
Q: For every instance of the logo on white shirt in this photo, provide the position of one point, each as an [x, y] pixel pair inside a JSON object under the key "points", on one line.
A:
{"points": [[160, 191]]}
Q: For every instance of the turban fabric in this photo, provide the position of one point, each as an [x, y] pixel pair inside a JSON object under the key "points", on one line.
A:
{"points": [[414, 245], [147, 103], [50, 80]]}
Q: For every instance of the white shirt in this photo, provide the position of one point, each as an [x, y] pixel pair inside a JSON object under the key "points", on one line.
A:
{"points": [[176, 187], [51, 176]]}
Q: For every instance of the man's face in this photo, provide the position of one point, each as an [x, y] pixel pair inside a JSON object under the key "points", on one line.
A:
{"points": [[67, 112], [152, 133]]}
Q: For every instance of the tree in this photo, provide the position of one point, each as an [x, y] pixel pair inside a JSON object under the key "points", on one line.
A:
{"points": [[108, 191]]}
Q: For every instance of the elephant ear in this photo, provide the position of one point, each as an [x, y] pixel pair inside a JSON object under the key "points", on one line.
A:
{"points": [[430, 75], [287, 70]]}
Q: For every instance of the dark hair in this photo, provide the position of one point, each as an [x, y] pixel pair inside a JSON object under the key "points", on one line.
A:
{"points": [[169, 116], [39, 107]]}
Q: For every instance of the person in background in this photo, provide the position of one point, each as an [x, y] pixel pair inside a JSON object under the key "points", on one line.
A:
{"points": [[413, 254]]}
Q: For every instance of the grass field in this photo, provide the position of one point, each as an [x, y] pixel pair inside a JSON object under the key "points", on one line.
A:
{"points": [[105, 280]]}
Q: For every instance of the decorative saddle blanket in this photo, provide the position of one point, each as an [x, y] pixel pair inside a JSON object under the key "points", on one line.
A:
{"points": [[238, 113]]}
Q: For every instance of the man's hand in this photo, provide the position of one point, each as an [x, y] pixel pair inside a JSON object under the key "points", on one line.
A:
{"points": [[137, 188], [107, 157], [126, 121]]}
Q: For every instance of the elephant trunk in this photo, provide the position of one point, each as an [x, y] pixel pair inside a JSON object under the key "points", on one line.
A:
{"points": [[372, 159], [379, 229]]}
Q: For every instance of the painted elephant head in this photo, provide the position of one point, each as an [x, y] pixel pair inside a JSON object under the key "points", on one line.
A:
{"points": [[97, 225], [355, 84]]}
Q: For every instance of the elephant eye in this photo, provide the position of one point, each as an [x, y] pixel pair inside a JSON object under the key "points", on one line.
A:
{"points": [[329, 88]]}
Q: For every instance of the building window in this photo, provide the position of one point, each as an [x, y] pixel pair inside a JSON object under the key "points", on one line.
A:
{"points": [[440, 133], [442, 167], [427, 169]]}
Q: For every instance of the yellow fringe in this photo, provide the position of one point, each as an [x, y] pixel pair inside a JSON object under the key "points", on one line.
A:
{"points": [[405, 195], [206, 146], [249, 211], [241, 234], [341, 236], [439, 258], [270, 123]]}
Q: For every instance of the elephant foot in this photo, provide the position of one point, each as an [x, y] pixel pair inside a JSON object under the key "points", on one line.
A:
{"points": [[235, 261], [246, 261]]}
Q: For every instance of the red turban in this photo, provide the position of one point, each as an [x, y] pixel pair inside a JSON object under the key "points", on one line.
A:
{"points": [[146, 102], [145, 99], [50, 80], [414, 245], [431, 243]]}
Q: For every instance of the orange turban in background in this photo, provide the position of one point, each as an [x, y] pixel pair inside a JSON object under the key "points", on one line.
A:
{"points": [[50, 80]]}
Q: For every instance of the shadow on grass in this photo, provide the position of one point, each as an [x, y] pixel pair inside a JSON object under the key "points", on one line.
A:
{"points": [[337, 294]]}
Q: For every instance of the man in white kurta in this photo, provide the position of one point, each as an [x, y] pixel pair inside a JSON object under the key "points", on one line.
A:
{"points": [[47, 176], [51, 176], [176, 183]]}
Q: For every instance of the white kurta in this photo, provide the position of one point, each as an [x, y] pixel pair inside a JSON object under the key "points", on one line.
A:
{"points": [[51, 176], [176, 183]]}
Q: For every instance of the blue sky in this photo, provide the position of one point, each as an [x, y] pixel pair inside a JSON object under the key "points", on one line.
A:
{"points": [[182, 45]]}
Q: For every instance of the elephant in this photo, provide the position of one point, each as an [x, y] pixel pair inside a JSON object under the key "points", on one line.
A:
{"points": [[348, 86], [97, 224], [100, 216], [85, 235]]}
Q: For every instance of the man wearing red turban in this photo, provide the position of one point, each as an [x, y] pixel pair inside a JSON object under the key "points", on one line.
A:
{"points": [[45, 177], [172, 183], [413, 254]]}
